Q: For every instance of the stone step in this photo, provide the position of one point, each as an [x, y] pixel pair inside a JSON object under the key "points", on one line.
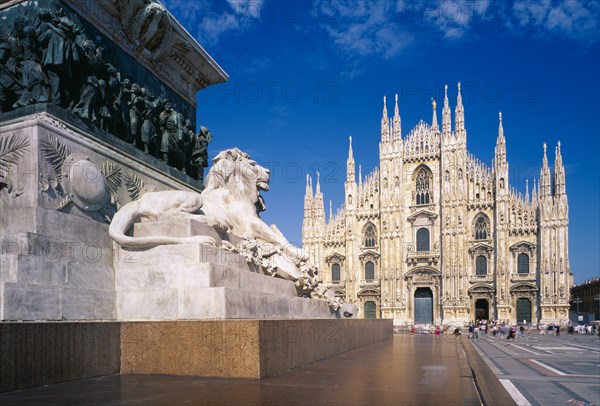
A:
{"points": [[191, 303], [27, 302], [180, 254], [201, 275], [56, 249], [42, 287]]}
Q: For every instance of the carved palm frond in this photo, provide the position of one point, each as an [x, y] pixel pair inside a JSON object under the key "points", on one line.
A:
{"points": [[113, 175], [55, 153], [134, 185], [12, 148]]}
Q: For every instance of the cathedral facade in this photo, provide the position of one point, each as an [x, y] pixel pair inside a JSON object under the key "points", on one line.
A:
{"points": [[434, 236]]}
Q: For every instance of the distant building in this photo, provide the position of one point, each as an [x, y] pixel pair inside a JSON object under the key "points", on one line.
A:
{"points": [[588, 295], [433, 235]]}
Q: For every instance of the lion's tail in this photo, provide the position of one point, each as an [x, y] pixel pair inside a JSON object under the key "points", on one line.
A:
{"points": [[122, 221]]}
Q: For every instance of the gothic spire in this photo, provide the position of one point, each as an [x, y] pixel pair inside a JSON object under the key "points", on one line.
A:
{"points": [[308, 198], [500, 128], [350, 163], [397, 130], [309, 191], [459, 117], [318, 191], [330, 210], [319, 207], [545, 177], [434, 123], [385, 125], [534, 193], [527, 190], [500, 141], [446, 125], [559, 173]]}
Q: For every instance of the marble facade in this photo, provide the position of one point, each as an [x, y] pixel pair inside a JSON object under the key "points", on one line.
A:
{"points": [[433, 235]]}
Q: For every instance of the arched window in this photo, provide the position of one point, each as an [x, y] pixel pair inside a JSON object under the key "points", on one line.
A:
{"points": [[370, 235], [482, 228], [523, 263], [422, 192], [369, 271], [335, 272], [481, 266], [422, 239]]}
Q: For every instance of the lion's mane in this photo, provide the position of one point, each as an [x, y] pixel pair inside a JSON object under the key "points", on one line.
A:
{"points": [[232, 169]]}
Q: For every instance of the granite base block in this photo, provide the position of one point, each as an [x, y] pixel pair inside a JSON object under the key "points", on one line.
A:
{"points": [[46, 353], [241, 348]]}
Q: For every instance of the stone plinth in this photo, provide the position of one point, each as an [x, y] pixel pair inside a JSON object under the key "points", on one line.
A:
{"points": [[195, 281]]}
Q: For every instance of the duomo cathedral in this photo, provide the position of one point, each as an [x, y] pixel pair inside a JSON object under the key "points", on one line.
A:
{"points": [[433, 235]]}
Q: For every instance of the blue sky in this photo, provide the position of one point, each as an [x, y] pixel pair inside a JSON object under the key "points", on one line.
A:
{"points": [[304, 75]]}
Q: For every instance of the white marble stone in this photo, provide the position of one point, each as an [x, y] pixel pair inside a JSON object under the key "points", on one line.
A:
{"points": [[30, 302], [90, 276], [147, 304], [88, 304]]}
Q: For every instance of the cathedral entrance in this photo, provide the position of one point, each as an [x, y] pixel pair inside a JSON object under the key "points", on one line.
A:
{"points": [[523, 310], [482, 309], [423, 306]]}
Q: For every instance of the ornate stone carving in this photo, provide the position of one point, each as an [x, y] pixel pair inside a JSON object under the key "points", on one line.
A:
{"points": [[147, 26], [113, 176], [52, 59], [134, 185], [13, 148], [83, 182]]}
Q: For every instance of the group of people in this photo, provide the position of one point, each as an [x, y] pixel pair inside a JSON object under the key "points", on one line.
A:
{"points": [[585, 329], [495, 328], [50, 59], [511, 331]]}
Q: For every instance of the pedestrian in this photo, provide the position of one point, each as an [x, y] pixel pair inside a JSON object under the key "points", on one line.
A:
{"points": [[511, 334]]}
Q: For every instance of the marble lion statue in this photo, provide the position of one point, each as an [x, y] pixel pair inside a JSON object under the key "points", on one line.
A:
{"points": [[232, 198], [231, 201]]}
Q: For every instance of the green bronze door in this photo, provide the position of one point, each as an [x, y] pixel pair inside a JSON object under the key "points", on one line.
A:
{"points": [[370, 310], [523, 310], [423, 306]]}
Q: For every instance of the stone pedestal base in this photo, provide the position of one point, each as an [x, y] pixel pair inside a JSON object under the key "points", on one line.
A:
{"points": [[196, 281]]}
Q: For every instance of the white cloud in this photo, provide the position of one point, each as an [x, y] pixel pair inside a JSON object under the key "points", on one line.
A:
{"points": [[573, 19], [380, 28], [362, 28], [208, 21]]}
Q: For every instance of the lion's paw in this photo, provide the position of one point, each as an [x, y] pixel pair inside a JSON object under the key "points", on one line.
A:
{"points": [[226, 245], [203, 239]]}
